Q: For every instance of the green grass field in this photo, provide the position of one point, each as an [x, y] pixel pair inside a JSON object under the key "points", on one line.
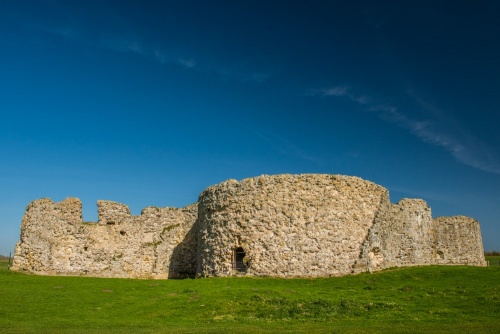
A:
{"points": [[436, 299], [493, 260]]}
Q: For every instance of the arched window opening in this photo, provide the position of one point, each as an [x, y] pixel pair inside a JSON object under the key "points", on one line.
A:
{"points": [[240, 263]]}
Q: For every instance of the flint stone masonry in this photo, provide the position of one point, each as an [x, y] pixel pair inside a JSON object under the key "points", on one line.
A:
{"points": [[447, 231], [159, 243], [309, 225]]}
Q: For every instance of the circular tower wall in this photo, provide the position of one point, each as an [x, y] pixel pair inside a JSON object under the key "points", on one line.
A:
{"points": [[306, 225]]}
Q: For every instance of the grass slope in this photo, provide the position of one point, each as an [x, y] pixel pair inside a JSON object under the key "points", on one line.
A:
{"points": [[410, 300]]}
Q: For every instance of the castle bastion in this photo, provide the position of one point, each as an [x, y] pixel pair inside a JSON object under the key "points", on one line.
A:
{"points": [[308, 225]]}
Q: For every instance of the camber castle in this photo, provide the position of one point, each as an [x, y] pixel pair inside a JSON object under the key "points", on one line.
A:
{"points": [[309, 225]]}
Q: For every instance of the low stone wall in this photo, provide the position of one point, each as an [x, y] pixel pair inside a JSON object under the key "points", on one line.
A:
{"points": [[160, 243]]}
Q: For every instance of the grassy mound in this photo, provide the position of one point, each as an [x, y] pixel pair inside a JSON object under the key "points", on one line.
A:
{"points": [[436, 299]]}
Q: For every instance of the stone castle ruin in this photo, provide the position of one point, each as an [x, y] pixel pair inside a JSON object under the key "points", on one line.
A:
{"points": [[310, 225]]}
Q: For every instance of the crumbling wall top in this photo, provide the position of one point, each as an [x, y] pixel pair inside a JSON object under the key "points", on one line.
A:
{"points": [[110, 213]]}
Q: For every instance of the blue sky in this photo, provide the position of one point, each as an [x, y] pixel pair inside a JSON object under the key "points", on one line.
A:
{"points": [[150, 102]]}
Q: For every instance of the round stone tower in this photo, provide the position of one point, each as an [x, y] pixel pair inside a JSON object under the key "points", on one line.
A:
{"points": [[305, 225]]}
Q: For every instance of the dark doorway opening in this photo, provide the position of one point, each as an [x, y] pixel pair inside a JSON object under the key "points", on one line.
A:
{"points": [[440, 254], [240, 264]]}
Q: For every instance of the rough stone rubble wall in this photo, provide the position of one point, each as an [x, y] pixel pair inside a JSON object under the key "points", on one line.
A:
{"points": [[458, 241], [406, 235], [48, 232], [401, 236], [324, 225], [288, 225], [160, 243], [412, 237], [307, 225]]}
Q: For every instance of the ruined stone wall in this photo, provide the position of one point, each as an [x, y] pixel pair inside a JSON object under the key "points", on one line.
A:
{"points": [[48, 232], [310, 225], [160, 243], [288, 225], [457, 240], [401, 236]]}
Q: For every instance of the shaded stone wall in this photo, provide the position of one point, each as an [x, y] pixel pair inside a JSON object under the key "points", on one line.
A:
{"points": [[406, 235], [54, 240], [401, 236]]}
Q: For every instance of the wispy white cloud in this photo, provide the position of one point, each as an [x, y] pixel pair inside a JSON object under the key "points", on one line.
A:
{"points": [[339, 91], [175, 56], [155, 53], [462, 145], [330, 91], [187, 62], [121, 45], [258, 76], [160, 57], [436, 128], [242, 70]]}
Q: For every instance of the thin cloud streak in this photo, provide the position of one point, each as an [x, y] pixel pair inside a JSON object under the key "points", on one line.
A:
{"points": [[178, 56], [134, 44], [464, 147], [331, 91], [165, 56], [339, 91], [157, 54]]}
